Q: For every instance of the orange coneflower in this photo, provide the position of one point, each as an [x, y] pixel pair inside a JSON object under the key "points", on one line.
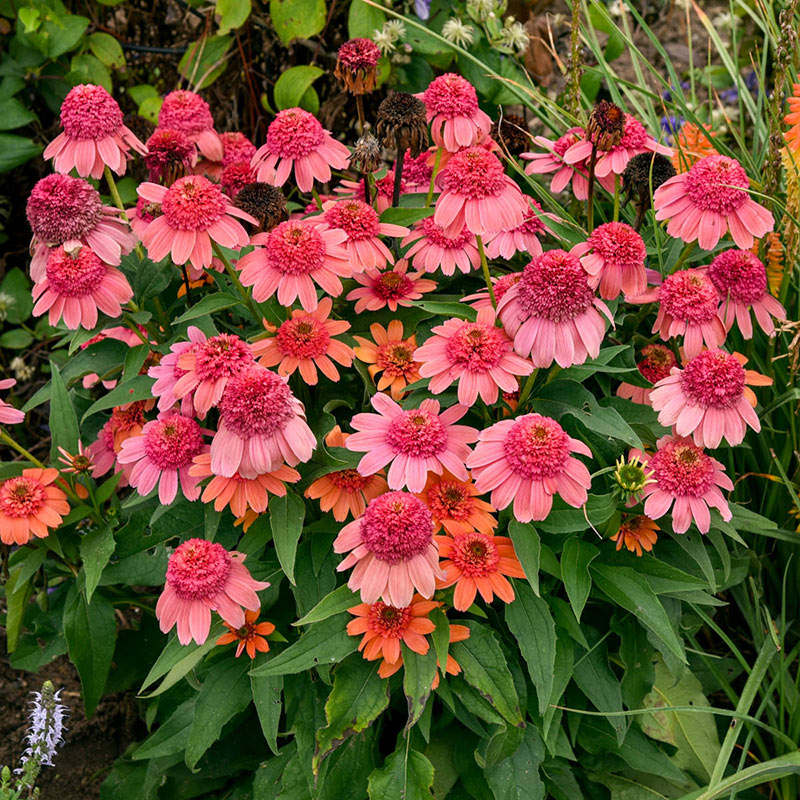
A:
{"points": [[30, 506], [475, 562], [691, 144], [391, 354], [250, 636], [455, 506], [636, 533], [345, 491]]}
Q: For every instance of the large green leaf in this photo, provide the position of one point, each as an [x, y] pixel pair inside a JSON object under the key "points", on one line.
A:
{"points": [[96, 548], [334, 603], [232, 14], [575, 559], [297, 19], [293, 84], [267, 691], [405, 775], [595, 679], [363, 20], [528, 547], [517, 777], [419, 672], [286, 515], [63, 420]]}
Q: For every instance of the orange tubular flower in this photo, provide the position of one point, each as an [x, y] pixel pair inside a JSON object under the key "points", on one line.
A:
{"points": [[691, 145], [305, 342], [250, 636], [391, 354], [475, 562], [455, 506], [30, 506], [636, 533], [792, 136], [346, 491]]}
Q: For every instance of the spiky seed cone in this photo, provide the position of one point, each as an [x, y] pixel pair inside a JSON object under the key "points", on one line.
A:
{"points": [[401, 123]]}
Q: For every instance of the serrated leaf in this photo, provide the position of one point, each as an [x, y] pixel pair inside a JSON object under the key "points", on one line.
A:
{"points": [[405, 775], [286, 515], [575, 559], [96, 549]]}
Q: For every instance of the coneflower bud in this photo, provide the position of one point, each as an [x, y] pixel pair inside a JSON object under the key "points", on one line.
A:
{"points": [[401, 123], [264, 202], [357, 66], [512, 132], [366, 156], [631, 478], [606, 125]]}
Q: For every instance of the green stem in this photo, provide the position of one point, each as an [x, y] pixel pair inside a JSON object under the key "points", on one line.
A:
{"points": [[486, 275], [687, 251], [527, 389], [590, 197], [315, 193], [257, 316], [435, 172], [616, 198], [20, 449], [112, 188]]}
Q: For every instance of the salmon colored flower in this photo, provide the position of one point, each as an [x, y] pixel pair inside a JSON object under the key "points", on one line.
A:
{"points": [[30, 506], [522, 239], [432, 248], [345, 491], [394, 287], [474, 562], [656, 363], [188, 113], [692, 144], [305, 342], [125, 421], [8, 414], [249, 636], [636, 533], [792, 136], [456, 120], [390, 354], [455, 505]]}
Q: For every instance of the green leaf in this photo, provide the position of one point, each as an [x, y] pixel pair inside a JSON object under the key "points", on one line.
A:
{"points": [[419, 672], [334, 603], [63, 420], [292, 85], [208, 305], [297, 19], [17, 594], [171, 736], [96, 549], [405, 216], [485, 668], [359, 696], [204, 60], [445, 309], [286, 516], [528, 547], [17, 285], [405, 775], [64, 33], [149, 279], [531, 622], [321, 644], [267, 691], [225, 692], [759, 774], [440, 637], [90, 631], [16, 338], [176, 660], [232, 14], [631, 591], [14, 114], [363, 20], [87, 68], [596, 680], [517, 777], [107, 49], [575, 559], [138, 388]]}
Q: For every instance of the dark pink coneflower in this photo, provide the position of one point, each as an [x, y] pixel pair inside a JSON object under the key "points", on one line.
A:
{"points": [[432, 248], [236, 147], [451, 105], [188, 113], [169, 152], [656, 363], [390, 288], [235, 177]]}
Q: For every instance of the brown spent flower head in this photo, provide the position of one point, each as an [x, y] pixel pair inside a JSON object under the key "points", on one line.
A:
{"points": [[366, 156], [511, 131], [401, 123], [357, 66], [264, 202], [606, 125], [642, 172]]}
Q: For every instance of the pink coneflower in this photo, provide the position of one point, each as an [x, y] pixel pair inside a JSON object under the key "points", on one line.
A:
{"points": [[125, 422], [500, 285], [635, 140], [78, 463], [207, 365], [363, 227], [162, 455], [392, 549], [417, 171], [415, 442], [708, 399], [94, 135], [688, 306], [188, 113], [167, 373], [170, 154], [478, 355], [295, 255], [236, 176], [657, 362], [305, 342], [708, 201], [522, 239], [8, 414], [141, 215], [202, 577], [236, 147], [194, 212], [261, 425], [684, 474], [75, 285], [527, 460], [477, 193], [383, 190], [452, 109], [68, 211], [741, 279], [614, 257], [394, 287], [296, 140], [552, 312], [432, 248]]}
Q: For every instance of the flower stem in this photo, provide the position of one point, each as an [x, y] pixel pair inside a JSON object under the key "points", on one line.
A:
{"points": [[590, 196], [257, 316], [361, 118], [398, 177], [112, 188], [616, 197], [486, 275], [527, 389], [187, 284], [317, 200], [435, 172], [20, 449]]}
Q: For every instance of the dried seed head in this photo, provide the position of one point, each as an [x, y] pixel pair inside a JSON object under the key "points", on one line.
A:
{"points": [[643, 172], [357, 66], [264, 202], [366, 156], [511, 131], [401, 123]]}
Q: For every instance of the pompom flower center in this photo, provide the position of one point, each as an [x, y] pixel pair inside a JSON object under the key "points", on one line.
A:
{"points": [[536, 447], [450, 500], [21, 497], [387, 621], [90, 112], [172, 443], [295, 248], [619, 244], [740, 273], [303, 337], [74, 275], [451, 96], [256, 402], [477, 347], [294, 133], [717, 183], [348, 480], [198, 569], [355, 218], [504, 283], [185, 111], [359, 54], [395, 358], [392, 285], [532, 225], [221, 356], [682, 469], [714, 379], [474, 173], [657, 362], [555, 286], [193, 203], [417, 433], [396, 527], [689, 295], [435, 235], [61, 208], [474, 554]]}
